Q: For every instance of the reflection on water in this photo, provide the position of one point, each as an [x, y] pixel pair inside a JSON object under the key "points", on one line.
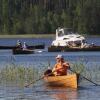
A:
{"points": [[86, 92], [62, 93]]}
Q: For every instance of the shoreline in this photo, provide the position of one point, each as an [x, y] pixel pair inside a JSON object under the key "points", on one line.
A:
{"points": [[29, 36], [38, 36]]}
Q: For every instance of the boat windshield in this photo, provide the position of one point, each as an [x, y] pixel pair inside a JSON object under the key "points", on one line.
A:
{"points": [[60, 33], [64, 31], [68, 31]]}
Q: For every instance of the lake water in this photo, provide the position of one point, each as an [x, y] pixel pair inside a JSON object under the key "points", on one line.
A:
{"points": [[38, 91]]}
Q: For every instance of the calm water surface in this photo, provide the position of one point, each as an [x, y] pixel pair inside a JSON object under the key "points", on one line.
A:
{"points": [[39, 91]]}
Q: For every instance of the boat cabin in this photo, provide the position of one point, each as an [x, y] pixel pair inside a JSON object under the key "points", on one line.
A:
{"points": [[66, 37]]}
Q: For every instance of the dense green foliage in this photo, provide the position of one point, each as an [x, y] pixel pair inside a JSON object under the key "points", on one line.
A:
{"points": [[44, 16]]}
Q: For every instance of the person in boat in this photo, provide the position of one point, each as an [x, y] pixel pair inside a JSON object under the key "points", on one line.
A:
{"points": [[24, 46], [92, 44], [84, 45], [19, 44], [61, 67]]}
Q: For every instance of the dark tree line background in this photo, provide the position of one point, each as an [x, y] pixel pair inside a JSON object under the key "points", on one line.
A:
{"points": [[44, 16]]}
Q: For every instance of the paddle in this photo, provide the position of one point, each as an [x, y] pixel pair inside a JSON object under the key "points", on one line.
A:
{"points": [[50, 73], [34, 81], [85, 77]]}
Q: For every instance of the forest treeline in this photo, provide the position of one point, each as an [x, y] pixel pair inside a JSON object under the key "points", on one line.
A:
{"points": [[44, 16]]}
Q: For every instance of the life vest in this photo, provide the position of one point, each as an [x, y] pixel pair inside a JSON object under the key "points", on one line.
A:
{"points": [[61, 69]]}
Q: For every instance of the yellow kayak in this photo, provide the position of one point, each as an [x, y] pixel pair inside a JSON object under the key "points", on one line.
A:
{"points": [[69, 80]]}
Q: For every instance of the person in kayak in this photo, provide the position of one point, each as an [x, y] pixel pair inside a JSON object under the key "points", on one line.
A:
{"points": [[61, 67]]}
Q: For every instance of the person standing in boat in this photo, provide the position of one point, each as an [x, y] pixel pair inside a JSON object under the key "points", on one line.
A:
{"points": [[24, 46], [61, 67]]}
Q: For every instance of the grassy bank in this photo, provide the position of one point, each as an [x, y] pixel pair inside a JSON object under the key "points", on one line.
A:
{"points": [[38, 36], [29, 36]]}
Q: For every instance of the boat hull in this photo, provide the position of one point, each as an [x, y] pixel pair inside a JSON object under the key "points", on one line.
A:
{"points": [[66, 49], [21, 51], [69, 80]]}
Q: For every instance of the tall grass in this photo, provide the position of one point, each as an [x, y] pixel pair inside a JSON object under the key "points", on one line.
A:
{"points": [[78, 67], [90, 72], [17, 74]]}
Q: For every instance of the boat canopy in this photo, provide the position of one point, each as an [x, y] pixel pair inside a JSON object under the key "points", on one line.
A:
{"points": [[65, 35], [64, 31]]}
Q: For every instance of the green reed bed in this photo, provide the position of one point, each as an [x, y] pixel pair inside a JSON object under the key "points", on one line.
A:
{"points": [[21, 74], [91, 72], [17, 74], [78, 67]]}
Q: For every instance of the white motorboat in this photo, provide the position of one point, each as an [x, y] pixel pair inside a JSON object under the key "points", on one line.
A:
{"points": [[66, 37]]}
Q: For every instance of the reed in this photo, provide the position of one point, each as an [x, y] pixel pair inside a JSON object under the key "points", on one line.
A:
{"points": [[21, 74], [91, 72], [78, 67], [17, 74]]}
